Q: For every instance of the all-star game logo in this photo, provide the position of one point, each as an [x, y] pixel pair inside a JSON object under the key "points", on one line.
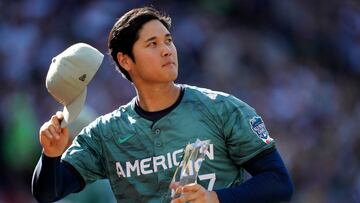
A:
{"points": [[258, 127]]}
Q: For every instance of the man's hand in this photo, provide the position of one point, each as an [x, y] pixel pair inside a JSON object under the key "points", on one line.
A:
{"points": [[53, 138], [195, 193]]}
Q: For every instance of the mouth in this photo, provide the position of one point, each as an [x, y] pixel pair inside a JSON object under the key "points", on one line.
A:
{"points": [[168, 64]]}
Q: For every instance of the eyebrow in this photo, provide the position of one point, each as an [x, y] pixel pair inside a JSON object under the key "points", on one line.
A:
{"points": [[154, 37]]}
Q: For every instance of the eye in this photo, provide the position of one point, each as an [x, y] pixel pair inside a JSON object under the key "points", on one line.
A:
{"points": [[169, 40], [152, 44]]}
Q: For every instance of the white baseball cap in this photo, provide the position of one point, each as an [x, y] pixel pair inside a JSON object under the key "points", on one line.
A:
{"points": [[69, 74]]}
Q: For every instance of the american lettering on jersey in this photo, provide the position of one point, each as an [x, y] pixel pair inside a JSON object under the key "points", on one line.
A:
{"points": [[154, 164]]}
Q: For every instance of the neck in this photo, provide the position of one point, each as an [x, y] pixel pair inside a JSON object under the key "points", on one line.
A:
{"points": [[157, 97]]}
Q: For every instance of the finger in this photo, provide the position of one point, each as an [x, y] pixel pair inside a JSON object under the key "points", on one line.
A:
{"points": [[186, 197], [45, 135], [56, 123], [188, 193], [54, 132], [200, 195], [192, 193], [177, 191], [174, 185], [48, 134], [177, 200], [193, 187], [44, 140]]}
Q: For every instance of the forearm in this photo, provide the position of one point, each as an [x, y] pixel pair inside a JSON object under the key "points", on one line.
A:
{"points": [[270, 183], [262, 188], [53, 180]]}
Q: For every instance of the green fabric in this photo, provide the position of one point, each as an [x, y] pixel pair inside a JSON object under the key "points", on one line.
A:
{"points": [[139, 157], [97, 192]]}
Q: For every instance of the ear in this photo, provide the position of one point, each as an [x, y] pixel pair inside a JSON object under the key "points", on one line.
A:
{"points": [[124, 60]]}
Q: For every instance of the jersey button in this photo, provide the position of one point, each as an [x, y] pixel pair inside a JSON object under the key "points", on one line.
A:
{"points": [[158, 144], [157, 131]]}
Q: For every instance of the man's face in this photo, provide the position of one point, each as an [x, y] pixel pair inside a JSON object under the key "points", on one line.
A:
{"points": [[155, 55]]}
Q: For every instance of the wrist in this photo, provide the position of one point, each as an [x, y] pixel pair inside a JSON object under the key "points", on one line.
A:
{"points": [[51, 155]]}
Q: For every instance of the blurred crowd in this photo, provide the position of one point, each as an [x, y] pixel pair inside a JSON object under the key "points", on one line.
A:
{"points": [[296, 62]]}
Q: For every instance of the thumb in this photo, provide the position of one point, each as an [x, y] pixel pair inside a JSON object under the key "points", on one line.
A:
{"points": [[60, 115]]}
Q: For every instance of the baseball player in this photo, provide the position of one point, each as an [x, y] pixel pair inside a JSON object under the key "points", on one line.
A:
{"points": [[139, 145]]}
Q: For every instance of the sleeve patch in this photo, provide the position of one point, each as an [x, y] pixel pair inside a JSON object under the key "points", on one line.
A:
{"points": [[258, 127]]}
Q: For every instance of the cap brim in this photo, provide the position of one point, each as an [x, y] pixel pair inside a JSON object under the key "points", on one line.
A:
{"points": [[72, 110]]}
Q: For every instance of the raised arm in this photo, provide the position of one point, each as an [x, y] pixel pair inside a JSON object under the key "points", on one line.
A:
{"points": [[52, 178]]}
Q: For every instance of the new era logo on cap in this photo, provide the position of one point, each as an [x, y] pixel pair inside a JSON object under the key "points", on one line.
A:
{"points": [[82, 78], [69, 74]]}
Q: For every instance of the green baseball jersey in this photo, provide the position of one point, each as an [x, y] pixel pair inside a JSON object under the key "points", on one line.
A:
{"points": [[139, 156]]}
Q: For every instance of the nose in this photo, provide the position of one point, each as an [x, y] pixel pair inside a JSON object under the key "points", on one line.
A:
{"points": [[166, 51]]}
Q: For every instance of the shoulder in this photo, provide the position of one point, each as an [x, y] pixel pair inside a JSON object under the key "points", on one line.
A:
{"points": [[204, 92], [204, 95], [208, 97], [114, 122]]}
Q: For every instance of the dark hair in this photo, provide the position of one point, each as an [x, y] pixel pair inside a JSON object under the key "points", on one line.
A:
{"points": [[125, 32]]}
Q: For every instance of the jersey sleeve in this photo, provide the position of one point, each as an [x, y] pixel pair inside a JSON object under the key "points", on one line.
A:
{"points": [[85, 154], [244, 130]]}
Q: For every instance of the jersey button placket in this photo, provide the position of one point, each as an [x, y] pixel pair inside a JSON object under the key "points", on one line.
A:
{"points": [[157, 143]]}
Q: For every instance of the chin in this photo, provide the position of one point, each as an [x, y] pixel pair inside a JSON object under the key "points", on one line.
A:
{"points": [[174, 77], [171, 78]]}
